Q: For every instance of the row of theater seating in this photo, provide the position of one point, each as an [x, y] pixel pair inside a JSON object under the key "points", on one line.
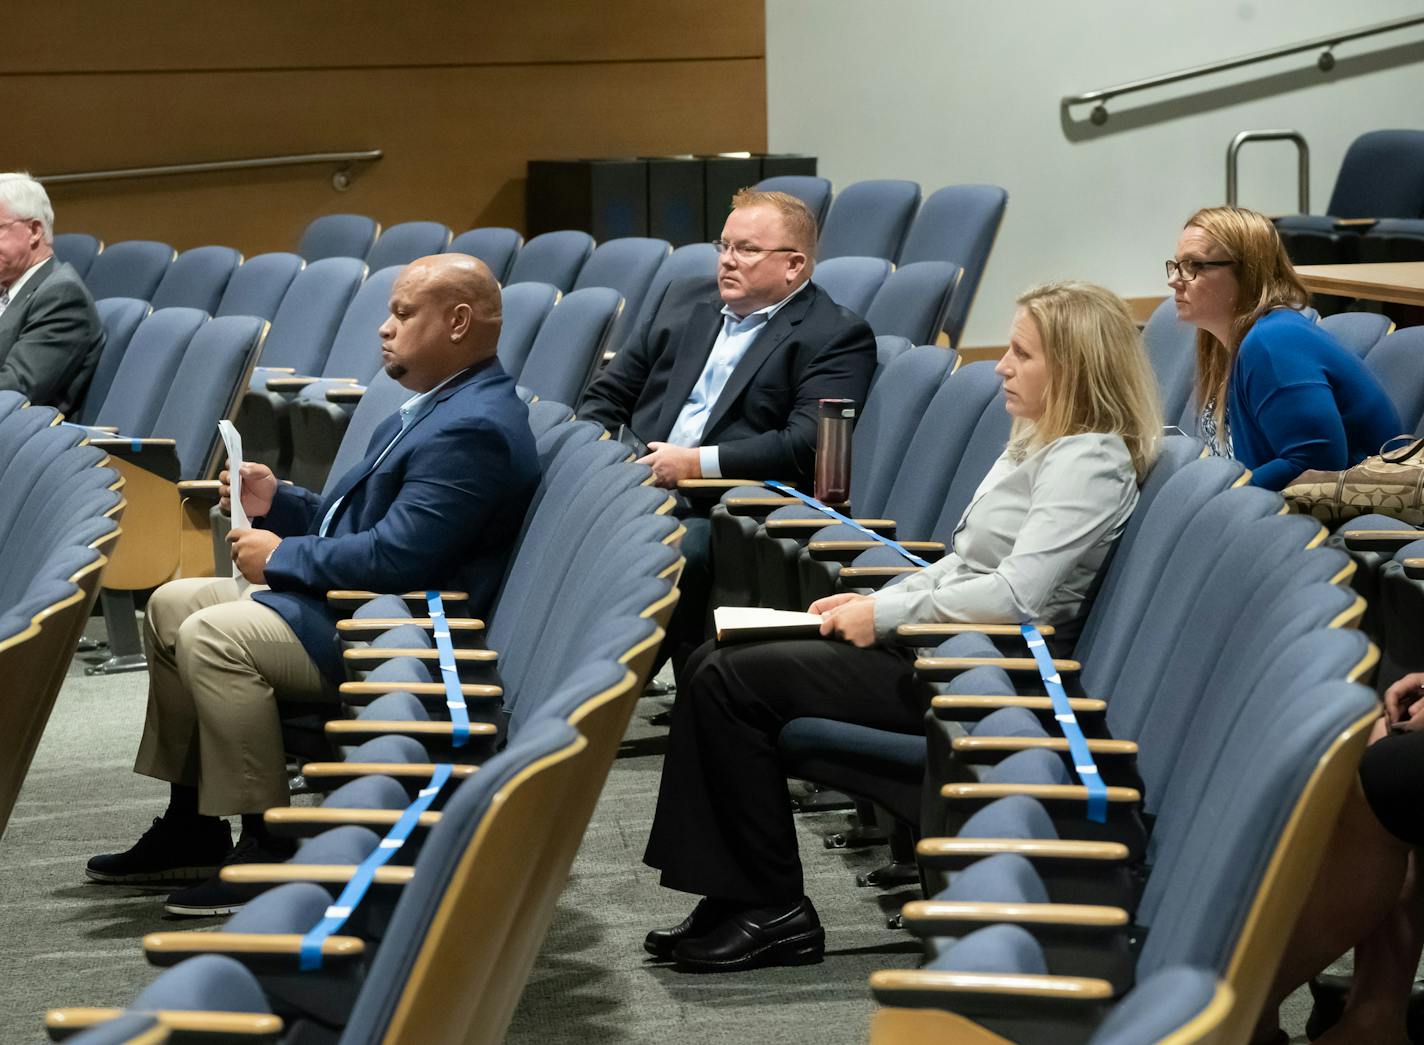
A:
{"points": [[1376, 209], [497, 792], [880, 219], [58, 520]]}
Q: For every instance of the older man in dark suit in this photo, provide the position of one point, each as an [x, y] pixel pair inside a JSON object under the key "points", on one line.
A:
{"points": [[50, 335], [438, 499], [727, 380]]}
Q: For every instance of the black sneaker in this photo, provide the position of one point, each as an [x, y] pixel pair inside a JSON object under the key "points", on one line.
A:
{"points": [[216, 897], [169, 851]]}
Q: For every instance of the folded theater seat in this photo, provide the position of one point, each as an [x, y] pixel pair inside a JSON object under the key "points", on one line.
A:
{"points": [[456, 916], [58, 523], [1220, 898]]}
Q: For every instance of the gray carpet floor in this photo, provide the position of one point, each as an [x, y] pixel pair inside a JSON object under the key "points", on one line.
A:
{"points": [[71, 942]]}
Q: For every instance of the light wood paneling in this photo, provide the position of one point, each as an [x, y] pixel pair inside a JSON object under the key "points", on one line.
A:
{"points": [[458, 98]]}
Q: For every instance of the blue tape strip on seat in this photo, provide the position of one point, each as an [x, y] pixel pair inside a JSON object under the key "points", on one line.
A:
{"points": [[360, 883], [826, 509], [1083, 763], [449, 673], [136, 445]]}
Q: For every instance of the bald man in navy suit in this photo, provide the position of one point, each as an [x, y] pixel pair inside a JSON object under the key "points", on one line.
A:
{"points": [[437, 501]]}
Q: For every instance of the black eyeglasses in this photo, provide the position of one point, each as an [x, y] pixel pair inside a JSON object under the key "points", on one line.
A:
{"points": [[748, 252], [1187, 269]]}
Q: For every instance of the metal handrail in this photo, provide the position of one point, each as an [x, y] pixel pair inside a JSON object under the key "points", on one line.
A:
{"points": [[1326, 62], [340, 179], [1302, 169]]}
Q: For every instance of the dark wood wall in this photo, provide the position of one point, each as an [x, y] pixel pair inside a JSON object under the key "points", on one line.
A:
{"points": [[458, 96]]}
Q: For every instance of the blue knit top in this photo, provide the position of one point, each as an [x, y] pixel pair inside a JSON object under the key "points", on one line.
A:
{"points": [[1298, 399]]}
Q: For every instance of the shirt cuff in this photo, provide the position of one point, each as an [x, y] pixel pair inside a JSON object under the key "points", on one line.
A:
{"points": [[711, 467]]}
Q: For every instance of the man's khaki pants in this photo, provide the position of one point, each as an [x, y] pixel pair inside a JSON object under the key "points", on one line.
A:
{"points": [[217, 661]]}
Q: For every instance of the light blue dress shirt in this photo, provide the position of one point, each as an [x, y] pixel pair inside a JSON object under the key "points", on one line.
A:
{"points": [[735, 338], [414, 408]]}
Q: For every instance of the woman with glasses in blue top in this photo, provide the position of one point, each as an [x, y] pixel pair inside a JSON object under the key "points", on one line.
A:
{"points": [[1274, 390]]}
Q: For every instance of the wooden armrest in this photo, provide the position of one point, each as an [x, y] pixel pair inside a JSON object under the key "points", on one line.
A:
{"points": [[406, 772], [367, 655], [1006, 985], [1054, 794], [1380, 540], [306, 821], [1355, 223], [703, 486], [987, 750], [367, 628], [350, 394], [944, 668], [340, 729], [289, 384], [848, 547], [206, 488], [112, 429], [415, 599], [60, 1023], [936, 633], [172, 947], [956, 707], [274, 370], [955, 853], [1413, 568], [469, 691], [322, 874], [780, 527], [867, 574], [937, 917]]}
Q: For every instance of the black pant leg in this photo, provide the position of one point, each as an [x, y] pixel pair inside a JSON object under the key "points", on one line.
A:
{"points": [[688, 628], [724, 825]]}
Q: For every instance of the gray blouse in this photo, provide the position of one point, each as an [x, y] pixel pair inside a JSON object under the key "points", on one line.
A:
{"points": [[1029, 544]]}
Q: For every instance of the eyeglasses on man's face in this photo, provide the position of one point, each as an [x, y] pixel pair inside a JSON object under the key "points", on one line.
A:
{"points": [[748, 252], [1188, 269]]}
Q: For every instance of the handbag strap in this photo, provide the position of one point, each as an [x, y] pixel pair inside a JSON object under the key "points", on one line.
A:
{"points": [[1404, 453]]}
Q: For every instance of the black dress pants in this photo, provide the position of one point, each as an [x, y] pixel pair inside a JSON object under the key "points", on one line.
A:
{"points": [[723, 826]]}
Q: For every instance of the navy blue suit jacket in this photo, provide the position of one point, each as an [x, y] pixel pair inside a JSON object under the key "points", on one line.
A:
{"points": [[441, 509]]}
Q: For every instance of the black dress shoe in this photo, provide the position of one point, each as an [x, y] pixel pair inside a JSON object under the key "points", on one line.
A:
{"points": [[705, 917], [217, 897], [757, 937]]}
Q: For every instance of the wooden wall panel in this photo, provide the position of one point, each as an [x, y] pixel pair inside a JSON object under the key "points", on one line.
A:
{"points": [[456, 137]]}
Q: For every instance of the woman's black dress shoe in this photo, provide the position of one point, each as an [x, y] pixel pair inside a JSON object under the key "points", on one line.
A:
{"points": [[705, 917], [756, 937]]}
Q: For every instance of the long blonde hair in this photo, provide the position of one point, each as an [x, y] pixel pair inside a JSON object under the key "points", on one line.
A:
{"points": [[1264, 280], [1099, 379]]}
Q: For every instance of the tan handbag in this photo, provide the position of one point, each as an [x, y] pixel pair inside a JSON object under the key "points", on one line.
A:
{"points": [[1390, 483]]}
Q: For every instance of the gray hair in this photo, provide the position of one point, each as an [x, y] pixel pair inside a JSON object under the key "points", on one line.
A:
{"points": [[27, 200]]}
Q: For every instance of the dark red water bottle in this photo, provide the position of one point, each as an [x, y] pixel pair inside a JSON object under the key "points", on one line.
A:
{"points": [[833, 431]]}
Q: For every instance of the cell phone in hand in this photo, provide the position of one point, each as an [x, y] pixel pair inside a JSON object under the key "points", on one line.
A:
{"points": [[629, 438]]}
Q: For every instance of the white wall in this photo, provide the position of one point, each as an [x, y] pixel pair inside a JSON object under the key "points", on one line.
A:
{"points": [[949, 91]]}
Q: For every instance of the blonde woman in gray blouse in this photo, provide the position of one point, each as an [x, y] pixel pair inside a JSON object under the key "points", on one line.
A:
{"points": [[1086, 430]]}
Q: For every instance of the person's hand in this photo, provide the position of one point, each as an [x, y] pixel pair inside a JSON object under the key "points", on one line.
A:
{"points": [[671, 463], [1403, 697], [852, 619], [830, 602], [259, 487], [251, 549]]}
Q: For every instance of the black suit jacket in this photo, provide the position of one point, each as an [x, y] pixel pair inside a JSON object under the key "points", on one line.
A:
{"points": [[50, 338], [764, 422]]}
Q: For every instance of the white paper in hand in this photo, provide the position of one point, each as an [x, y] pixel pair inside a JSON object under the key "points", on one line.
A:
{"points": [[232, 441]]}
